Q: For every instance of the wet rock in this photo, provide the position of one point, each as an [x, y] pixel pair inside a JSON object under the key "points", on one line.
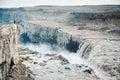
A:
{"points": [[51, 71], [47, 67], [35, 63], [63, 60], [51, 55], [61, 57], [82, 65], [23, 51], [35, 52], [42, 64], [51, 59], [88, 71], [79, 66], [45, 61], [60, 71], [67, 68], [26, 58]]}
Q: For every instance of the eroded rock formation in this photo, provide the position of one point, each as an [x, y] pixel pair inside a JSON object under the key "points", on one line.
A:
{"points": [[9, 35]]}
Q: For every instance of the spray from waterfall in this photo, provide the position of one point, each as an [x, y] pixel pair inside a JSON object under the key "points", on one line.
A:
{"points": [[73, 58]]}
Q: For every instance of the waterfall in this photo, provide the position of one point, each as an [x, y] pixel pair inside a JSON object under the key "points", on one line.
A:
{"points": [[85, 48]]}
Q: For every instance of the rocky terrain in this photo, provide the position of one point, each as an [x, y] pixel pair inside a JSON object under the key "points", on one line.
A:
{"points": [[85, 41], [8, 53], [10, 66]]}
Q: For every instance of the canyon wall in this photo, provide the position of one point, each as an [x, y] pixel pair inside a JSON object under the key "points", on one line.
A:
{"points": [[51, 34], [11, 67], [9, 35]]}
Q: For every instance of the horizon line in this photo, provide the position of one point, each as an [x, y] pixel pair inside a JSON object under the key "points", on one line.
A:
{"points": [[63, 5]]}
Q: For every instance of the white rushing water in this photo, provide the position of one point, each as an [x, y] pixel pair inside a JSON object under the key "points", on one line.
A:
{"points": [[73, 58], [54, 65]]}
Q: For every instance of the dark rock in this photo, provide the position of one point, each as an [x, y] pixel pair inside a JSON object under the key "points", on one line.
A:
{"points": [[35, 62], [79, 66], [88, 71], [24, 38], [64, 62], [35, 52], [67, 68], [60, 71], [51, 71], [72, 46], [45, 61], [47, 67], [51, 55]]}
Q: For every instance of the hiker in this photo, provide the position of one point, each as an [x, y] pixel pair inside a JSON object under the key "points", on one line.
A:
{"points": [[14, 20]]}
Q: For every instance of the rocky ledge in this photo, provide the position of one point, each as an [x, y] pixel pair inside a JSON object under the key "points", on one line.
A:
{"points": [[9, 57]]}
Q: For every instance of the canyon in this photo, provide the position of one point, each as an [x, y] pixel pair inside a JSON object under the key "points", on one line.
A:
{"points": [[91, 34]]}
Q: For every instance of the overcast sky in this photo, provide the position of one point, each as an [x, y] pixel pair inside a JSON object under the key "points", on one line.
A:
{"points": [[20, 3]]}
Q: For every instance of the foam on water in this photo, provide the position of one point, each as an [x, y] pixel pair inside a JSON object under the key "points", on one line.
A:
{"points": [[73, 58]]}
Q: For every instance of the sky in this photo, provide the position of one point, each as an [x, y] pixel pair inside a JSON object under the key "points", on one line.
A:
{"points": [[21, 3]]}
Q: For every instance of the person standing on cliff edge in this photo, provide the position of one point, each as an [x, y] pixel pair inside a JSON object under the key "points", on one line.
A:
{"points": [[14, 20]]}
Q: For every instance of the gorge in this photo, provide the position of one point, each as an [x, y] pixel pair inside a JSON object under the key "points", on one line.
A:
{"points": [[68, 43]]}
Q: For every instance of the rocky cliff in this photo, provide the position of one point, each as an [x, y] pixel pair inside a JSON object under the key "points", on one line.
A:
{"points": [[9, 35], [10, 66]]}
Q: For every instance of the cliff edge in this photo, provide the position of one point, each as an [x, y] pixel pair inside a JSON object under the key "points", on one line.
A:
{"points": [[9, 35]]}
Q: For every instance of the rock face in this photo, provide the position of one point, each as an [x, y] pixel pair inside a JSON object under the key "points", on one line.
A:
{"points": [[9, 35]]}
